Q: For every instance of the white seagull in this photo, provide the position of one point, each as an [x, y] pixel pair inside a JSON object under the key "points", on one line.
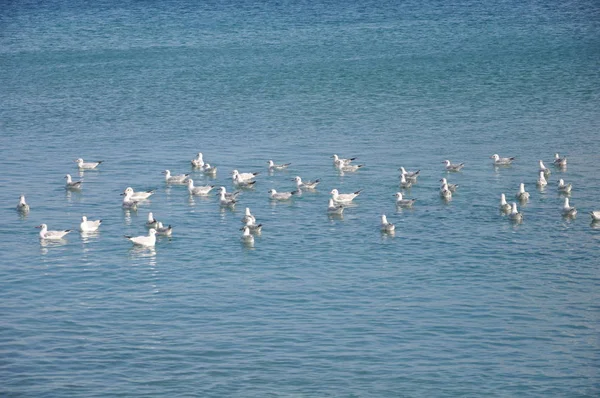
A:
{"points": [[514, 214], [404, 183], [560, 162], [401, 202], [174, 179], [254, 227], [306, 184], [386, 226], [128, 202], [409, 175], [51, 235], [232, 195], [335, 209], [595, 215], [274, 195], [241, 183], [247, 236], [86, 165], [567, 210], [243, 177], [498, 161], [273, 166], [343, 198], [522, 195], [151, 222], [72, 184], [199, 191], [504, 207], [225, 201], [564, 188], [139, 195], [543, 168], [22, 207], [339, 162], [162, 230], [541, 181], [351, 167], [209, 170], [144, 240], [445, 192], [248, 217], [451, 187], [89, 226], [198, 162], [453, 167]]}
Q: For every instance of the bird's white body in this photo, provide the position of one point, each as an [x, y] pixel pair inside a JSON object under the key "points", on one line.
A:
{"points": [[51, 235], [86, 165], [340, 163], [386, 226], [568, 210], [273, 166], [451, 187], [401, 202], [514, 214], [504, 206], [22, 207], [151, 222], [248, 217], [564, 188], [541, 181], [128, 202], [242, 177], [453, 167], [306, 184], [498, 161], [72, 184], [247, 236], [559, 162], [89, 225], [522, 194], [225, 201], [144, 240], [274, 195], [198, 161], [198, 191], [209, 170], [162, 230], [543, 168], [343, 198], [243, 183], [404, 183], [139, 195], [335, 209], [595, 215], [232, 195], [175, 179], [445, 192]]}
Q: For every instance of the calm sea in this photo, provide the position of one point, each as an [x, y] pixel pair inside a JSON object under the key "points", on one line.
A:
{"points": [[459, 302]]}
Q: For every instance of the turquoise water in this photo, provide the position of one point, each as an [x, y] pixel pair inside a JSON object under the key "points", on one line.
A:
{"points": [[460, 302]]}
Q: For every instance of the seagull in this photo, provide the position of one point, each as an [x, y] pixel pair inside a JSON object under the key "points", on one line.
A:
{"points": [[401, 202], [198, 162], [504, 207], [51, 235], [246, 236], [339, 163], [453, 167], [144, 240], [209, 170], [244, 177], [89, 226], [451, 187], [128, 202], [335, 209], [544, 169], [225, 201], [274, 195], [351, 167], [254, 227], [273, 166], [86, 165], [239, 182], [514, 214], [248, 217], [560, 162], [498, 161], [232, 195], [409, 175], [386, 226], [541, 182], [306, 184], [568, 211], [404, 183], [162, 230], [564, 188], [344, 198], [72, 184], [174, 179], [445, 192], [200, 191], [22, 207], [152, 222], [595, 215], [140, 195], [522, 194]]}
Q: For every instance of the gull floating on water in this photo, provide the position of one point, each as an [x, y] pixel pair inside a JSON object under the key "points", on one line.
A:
{"points": [[451, 187], [128, 202], [445, 192], [86, 165], [198, 162], [248, 217], [247, 236], [514, 214], [335, 209], [162, 230], [401, 202], [274, 195], [343, 198], [243, 177], [209, 170], [595, 215], [306, 184], [174, 179], [254, 227], [543, 168], [351, 167], [72, 184], [273, 166], [144, 240], [243, 183], [541, 181], [51, 235], [409, 175], [340, 163], [498, 161], [453, 167], [198, 191], [564, 188], [567, 210], [151, 221], [232, 195], [140, 195], [504, 206], [225, 201], [22, 207], [386, 226], [89, 225], [404, 183], [522, 195], [560, 162]]}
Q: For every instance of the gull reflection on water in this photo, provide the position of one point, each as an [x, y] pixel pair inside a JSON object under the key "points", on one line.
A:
{"points": [[46, 244]]}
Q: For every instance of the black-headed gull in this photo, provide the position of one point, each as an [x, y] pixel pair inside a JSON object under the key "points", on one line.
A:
{"points": [[209, 170], [22, 207], [498, 161], [343, 198], [405, 183], [339, 162], [232, 195], [559, 162], [139, 195], [409, 175], [248, 216], [243, 177], [247, 237], [75, 185], [198, 191], [281, 166], [543, 168], [451, 187], [162, 230], [254, 227], [128, 202], [595, 215], [151, 222], [386, 226], [51, 235], [175, 179], [567, 210], [504, 206], [87, 165], [274, 195], [445, 192], [541, 181], [522, 195], [335, 209], [89, 225], [144, 240], [514, 214], [226, 201], [306, 184], [243, 183], [453, 167], [401, 202], [564, 188], [198, 162]]}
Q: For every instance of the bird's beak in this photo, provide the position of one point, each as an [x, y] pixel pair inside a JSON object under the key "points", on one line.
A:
{"points": [[39, 226]]}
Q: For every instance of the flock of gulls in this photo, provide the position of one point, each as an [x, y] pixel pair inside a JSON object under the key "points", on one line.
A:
{"points": [[337, 202]]}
